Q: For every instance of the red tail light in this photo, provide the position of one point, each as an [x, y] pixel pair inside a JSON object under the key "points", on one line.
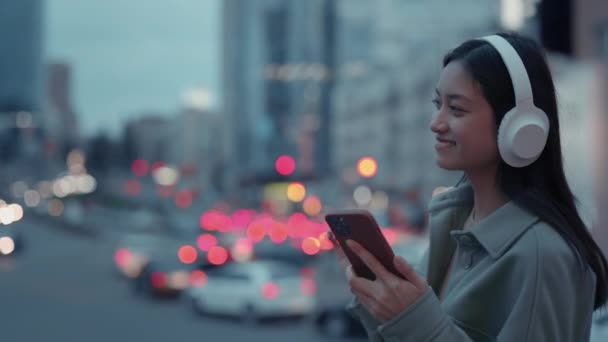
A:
{"points": [[308, 286], [270, 290], [307, 272], [122, 257], [158, 280]]}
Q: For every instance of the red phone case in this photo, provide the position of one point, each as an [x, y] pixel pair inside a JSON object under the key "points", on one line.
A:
{"points": [[360, 226]]}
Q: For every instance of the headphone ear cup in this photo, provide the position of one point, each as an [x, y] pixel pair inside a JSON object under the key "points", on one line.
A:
{"points": [[522, 135]]}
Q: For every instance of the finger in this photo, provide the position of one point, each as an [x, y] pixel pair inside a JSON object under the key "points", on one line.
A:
{"points": [[342, 259], [362, 285], [409, 273], [374, 265]]}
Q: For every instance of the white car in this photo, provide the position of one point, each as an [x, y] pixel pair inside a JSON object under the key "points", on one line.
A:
{"points": [[255, 290]]}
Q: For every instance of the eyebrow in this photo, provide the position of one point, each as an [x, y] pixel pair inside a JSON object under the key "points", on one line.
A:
{"points": [[454, 96]]}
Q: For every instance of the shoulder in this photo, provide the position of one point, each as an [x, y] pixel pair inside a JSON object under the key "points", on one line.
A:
{"points": [[543, 249]]}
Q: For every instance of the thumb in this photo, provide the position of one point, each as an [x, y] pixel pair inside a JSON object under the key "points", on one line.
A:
{"points": [[409, 272]]}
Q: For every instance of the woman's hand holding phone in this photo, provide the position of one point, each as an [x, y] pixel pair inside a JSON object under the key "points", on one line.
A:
{"points": [[342, 259], [388, 295]]}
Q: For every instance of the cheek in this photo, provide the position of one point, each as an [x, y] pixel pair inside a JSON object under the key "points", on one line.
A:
{"points": [[480, 146]]}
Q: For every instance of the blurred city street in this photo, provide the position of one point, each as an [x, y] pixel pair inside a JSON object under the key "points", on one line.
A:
{"points": [[64, 288], [166, 167]]}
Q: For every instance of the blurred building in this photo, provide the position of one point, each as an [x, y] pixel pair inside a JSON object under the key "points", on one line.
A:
{"points": [[21, 66], [21, 83], [389, 59], [576, 35], [60, 121], [148, 137], [277, 57], [590, 34], [194, 145]]}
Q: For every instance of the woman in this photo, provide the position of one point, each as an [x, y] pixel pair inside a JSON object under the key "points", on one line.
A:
{"points": [[510, 258]]}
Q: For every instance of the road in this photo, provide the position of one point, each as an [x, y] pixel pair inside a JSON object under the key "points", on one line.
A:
{"points": [[64, 288]]}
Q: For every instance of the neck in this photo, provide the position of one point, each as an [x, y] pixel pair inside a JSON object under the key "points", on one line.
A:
{"points": [[487, 194]]}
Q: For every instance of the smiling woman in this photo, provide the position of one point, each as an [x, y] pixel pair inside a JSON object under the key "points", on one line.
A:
{"points": [[510, 258]]}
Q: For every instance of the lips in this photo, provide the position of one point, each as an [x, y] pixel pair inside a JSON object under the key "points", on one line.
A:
{"points": [[445, 141]]}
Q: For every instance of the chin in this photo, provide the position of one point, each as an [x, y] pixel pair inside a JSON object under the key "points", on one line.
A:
{"points": [[447, 165]]}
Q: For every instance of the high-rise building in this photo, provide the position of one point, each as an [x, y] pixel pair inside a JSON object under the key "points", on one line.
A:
{"points": [[21, 83], [21, 65], [278, 56], [60, 118], [148, 137], [194, 145]]}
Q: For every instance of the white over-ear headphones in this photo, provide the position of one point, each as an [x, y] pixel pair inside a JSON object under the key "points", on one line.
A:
{"points": [[524, 129]]}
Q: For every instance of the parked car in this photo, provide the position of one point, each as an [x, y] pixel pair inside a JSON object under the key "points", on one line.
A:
{"points": [[254, 290], [133, 251], [166, 276]]}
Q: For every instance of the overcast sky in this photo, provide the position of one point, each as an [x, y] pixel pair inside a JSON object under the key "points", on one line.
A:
{"points": [[128, 57]]}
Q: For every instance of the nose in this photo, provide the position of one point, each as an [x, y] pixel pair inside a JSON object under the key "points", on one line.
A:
{"points": [[438, 125]]}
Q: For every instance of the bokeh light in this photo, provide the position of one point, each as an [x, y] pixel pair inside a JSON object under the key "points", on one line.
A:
{"points": [[242, 250], [206, 241], [285, 165], [55, 207], [325, 242], [379, 200], [308, 286], [217, 255], [166, 175], [140, 167], [367, 167], [187, 254], [362, 195], [156, 165], [7, 245], [278, 232], [296, 192], [215, 220], [198, 278], [122, 257], [311, 246], [183, 199], [312, 206], [158, 280], [270, 290], [256, 231]]}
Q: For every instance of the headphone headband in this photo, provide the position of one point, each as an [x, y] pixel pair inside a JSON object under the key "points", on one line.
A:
{"points": [[515, 66]]}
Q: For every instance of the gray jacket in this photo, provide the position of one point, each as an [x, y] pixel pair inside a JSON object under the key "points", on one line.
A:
{"points": [[514, 278]]}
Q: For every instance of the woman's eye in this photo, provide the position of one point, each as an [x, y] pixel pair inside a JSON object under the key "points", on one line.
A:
{"points": [[456, 109]]}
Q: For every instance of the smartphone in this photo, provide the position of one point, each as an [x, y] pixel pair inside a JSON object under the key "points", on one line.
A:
{"points": [[360, 226]]}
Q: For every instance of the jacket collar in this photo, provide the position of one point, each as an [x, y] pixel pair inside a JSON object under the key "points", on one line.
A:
{"points": [[496, 233]]}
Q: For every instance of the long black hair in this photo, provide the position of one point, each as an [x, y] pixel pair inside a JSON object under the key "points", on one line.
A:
{"points": [[541, 188]]}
